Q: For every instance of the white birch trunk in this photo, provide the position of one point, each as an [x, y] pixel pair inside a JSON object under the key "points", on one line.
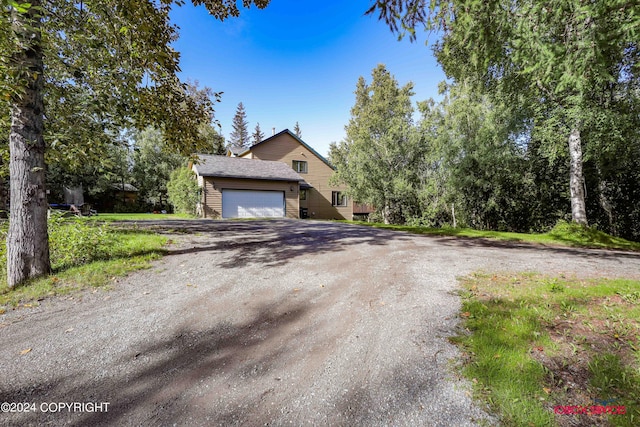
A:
{"points": [[576, 179]]}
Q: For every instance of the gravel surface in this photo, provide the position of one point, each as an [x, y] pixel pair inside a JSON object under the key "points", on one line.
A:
{"points": [[268, 323]]}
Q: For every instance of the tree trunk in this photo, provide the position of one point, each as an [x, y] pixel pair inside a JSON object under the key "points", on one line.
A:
{"points": [[576, 179], [27, 239], [386, 214]]}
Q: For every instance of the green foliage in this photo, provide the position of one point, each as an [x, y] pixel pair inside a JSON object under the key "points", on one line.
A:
{"points": [[98, 68], [571, 67], [380, 156], [75, 242], [128, 250], [72, 242], [152, 167], [480, 164], [183, 191], [213, 141]]}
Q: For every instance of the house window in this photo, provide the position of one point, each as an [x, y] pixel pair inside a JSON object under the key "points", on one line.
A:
{"points": [[303, 194], [338, 198], [300, 166]]}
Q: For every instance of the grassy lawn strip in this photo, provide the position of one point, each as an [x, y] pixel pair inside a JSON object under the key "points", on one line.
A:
{"points": [[137, 217], [83, 255], [533, 343], [563, 234]]}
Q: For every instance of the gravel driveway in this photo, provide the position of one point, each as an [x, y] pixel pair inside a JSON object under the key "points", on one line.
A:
{"points": [[268, 323]]}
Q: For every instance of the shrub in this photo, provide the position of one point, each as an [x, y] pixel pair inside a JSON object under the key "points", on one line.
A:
{"points": [[183, 191], [74, 242]]}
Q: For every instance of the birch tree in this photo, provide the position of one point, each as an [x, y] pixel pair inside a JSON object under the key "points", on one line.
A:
{"points": [[563, 54]]}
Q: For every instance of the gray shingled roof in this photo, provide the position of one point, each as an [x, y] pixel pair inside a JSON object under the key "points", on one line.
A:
{"points": [[236, 150], [127, 187], [239, 167]]}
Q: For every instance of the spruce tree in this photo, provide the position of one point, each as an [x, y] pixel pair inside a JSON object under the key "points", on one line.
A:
{"points": [[297, 131], [257, 135], [240, 134]]}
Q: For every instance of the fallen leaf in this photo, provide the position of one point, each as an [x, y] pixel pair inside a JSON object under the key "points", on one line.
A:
{"points": [[496, 356], [546, 390], [295, 289], [69, 330], [23, 352], [466, 314]]}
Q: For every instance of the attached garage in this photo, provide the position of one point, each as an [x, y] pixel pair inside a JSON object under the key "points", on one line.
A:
{"points": [[253, 204], [235, 187]]}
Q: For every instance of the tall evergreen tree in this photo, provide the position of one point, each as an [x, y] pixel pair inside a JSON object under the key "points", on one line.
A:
{"points": [[257, 135], [297, 131], [240, 133], [379, 157]]}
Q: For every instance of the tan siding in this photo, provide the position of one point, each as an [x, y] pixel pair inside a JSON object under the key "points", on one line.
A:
{"points": [[285, 148], [212, 194]]}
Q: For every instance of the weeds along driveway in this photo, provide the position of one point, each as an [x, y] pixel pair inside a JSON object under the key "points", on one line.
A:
{"points": [[268, 323]]}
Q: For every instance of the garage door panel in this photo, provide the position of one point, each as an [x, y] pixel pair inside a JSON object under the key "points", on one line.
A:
{"points": [[252, 204]]}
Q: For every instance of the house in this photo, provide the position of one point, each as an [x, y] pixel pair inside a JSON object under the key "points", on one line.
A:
{"points": [[125, 193], [236, 187], [281, 176], [235, 150], [318, 199]]}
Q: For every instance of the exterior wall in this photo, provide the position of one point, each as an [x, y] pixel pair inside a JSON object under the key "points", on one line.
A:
{"points": [[284, 148], [212, 193]]}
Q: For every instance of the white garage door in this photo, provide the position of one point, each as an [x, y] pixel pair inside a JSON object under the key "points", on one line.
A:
{"points": [[252, 204]]}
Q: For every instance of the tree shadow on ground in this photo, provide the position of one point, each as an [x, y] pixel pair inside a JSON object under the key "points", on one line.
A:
{"points": [[278, 242], [156, 375], [413, 390]]}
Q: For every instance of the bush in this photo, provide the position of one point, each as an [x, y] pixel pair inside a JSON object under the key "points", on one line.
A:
{"points": [[183, 191], [73, 241]]}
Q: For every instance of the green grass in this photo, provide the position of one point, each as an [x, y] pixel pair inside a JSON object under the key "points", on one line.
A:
{"points": [[83, 255], [137, 217], [533, 342], [563, 234]]}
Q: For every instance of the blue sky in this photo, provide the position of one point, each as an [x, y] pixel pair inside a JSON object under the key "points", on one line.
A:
{"points": [[297, 61]]}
